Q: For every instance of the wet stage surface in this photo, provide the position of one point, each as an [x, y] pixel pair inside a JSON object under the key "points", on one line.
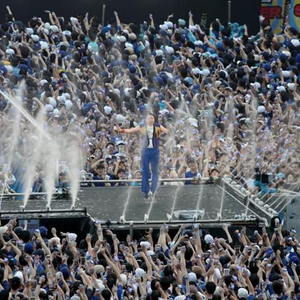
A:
{"points": [[108, 203]]}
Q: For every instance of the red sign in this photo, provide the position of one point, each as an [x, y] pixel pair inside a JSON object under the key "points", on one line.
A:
{"points": [[272, 12]]}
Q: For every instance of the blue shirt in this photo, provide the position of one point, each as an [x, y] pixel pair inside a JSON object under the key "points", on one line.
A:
{"points": [[189, 174], [98, 183]]}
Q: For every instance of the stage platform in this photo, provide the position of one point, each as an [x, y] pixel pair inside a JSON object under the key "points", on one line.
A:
{"points": [[206, 203]]}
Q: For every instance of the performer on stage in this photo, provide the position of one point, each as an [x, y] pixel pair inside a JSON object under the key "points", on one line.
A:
{"points": [[150, 152]]}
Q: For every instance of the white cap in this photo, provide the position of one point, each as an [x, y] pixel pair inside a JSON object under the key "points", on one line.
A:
{"points": [[169, 50], [218, 83], [192, 277], [35, 37], [208, 239], [196, 71], [61, 98], [67, 95], [44, 45], [145, 244], [55, 240], [181, 297], [286, 53], [124, 278], [121, 38], [47, 25], [19, 275], [107, 109], [99, 269], [43, 81], [10, 51], [52, 101], [49, 107], [73, 20], [120, 118], [54, 28], [3, 229], [295, 42], [67, 32], [140, 272], [281, 88], [198, 43], [169, 24], [68, 104], [163, 27], [291, 86], [193, 122], [159, 53], [78, 72], [128, 45], [286, 74], [72, 237], [9, 68], [256, 85], [132, 36], [29, 30], [164, 111], [56, 112], [243, 293], [256, 57], [261, 109], [205, 72], [192, 27]]}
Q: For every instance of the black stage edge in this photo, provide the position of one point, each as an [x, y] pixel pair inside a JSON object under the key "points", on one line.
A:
{"points": [[198, 203], [107, 205]]}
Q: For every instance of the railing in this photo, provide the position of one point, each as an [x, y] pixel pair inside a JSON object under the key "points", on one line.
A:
{"points": [[194, 179], [259, 200], [202, 180]]}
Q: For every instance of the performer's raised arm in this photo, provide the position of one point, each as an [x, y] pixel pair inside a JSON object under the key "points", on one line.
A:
{"points": [[131, 130]]}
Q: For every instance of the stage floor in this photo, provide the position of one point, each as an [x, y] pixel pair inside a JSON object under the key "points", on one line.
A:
{"points": [[110, 203]]}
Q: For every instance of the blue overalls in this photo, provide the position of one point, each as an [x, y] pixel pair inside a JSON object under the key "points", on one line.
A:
{"points": [[150, 156]]}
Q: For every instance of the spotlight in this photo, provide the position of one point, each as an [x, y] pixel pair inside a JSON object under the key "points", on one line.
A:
{"points": [[146, 218], [219, 216], [201, 213], [22, 208], [169, 217], [48, 208], [131, 223], [243, 190], [122, 220]]}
